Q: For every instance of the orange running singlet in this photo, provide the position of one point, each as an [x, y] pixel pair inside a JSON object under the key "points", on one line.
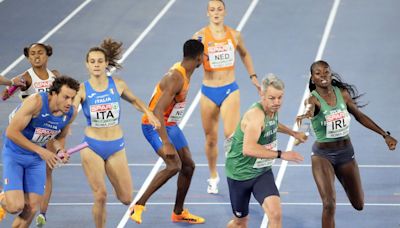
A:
{"points": [[220, 54], [174, 112]]}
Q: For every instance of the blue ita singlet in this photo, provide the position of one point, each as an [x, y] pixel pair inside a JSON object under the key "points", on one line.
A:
{"points": [[102, 109], [43, 127]]}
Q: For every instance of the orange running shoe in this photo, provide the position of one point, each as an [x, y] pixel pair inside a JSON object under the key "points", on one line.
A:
{"points": [[136, 213], [2, 211], [185, 216]]}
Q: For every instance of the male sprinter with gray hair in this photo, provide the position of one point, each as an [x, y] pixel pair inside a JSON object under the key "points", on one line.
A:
{"points": [[251, 155]]}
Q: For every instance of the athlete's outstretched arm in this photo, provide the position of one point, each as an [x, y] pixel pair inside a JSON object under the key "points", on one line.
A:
{"points": [[301, 136], [247, 60], [5, 81], [366, 121], [309, 110], [15, 81], [128, 95]]}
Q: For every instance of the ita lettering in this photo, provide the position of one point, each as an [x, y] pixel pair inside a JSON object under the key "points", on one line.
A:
{"points": [[105, 115]]}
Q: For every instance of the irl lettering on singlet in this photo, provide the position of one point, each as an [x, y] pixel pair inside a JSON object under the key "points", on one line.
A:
{"points": [[337, 123], [104, 114], [265, 162], [221, 54], [177, 112]]}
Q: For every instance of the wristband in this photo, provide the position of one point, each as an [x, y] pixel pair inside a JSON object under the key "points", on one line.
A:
{"points": [[279, 154], [253, 75], [387, 134]]}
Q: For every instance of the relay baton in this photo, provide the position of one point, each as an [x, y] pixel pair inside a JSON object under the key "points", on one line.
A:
{"points": [[297, 142], [11, 90], [306, 128], [75, 149]]}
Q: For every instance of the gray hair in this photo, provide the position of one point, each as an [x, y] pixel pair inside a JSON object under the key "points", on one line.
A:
{"points": [[272, 80]]}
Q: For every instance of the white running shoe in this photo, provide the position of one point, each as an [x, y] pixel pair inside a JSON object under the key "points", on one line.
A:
{"points": [[213, 185], [40, 220]]}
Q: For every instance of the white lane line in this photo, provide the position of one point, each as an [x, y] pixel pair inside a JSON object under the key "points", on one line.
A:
{"points": [[153, 172], [54, 30], [182, 124], [247, 15], [228, 203], [140, 38], [223, 165], [147, 30], [320, 52]]}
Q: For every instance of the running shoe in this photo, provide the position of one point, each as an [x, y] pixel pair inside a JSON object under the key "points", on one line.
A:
{"points": [[185, 216], [2, 210], [40, 220], [212, 187], [136, 213]]}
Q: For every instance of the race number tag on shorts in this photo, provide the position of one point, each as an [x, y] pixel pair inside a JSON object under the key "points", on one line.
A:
{"points": [[265, 162], [177, 112], [42, 135], [104, 115], [221, 54], [337, 124]]}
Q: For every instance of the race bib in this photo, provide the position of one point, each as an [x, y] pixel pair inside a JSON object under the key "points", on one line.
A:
{"points": [[42, 135], [177, 112], [337, 124], [43, 86], [265, 162], [104, 115], [221, 54]]}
